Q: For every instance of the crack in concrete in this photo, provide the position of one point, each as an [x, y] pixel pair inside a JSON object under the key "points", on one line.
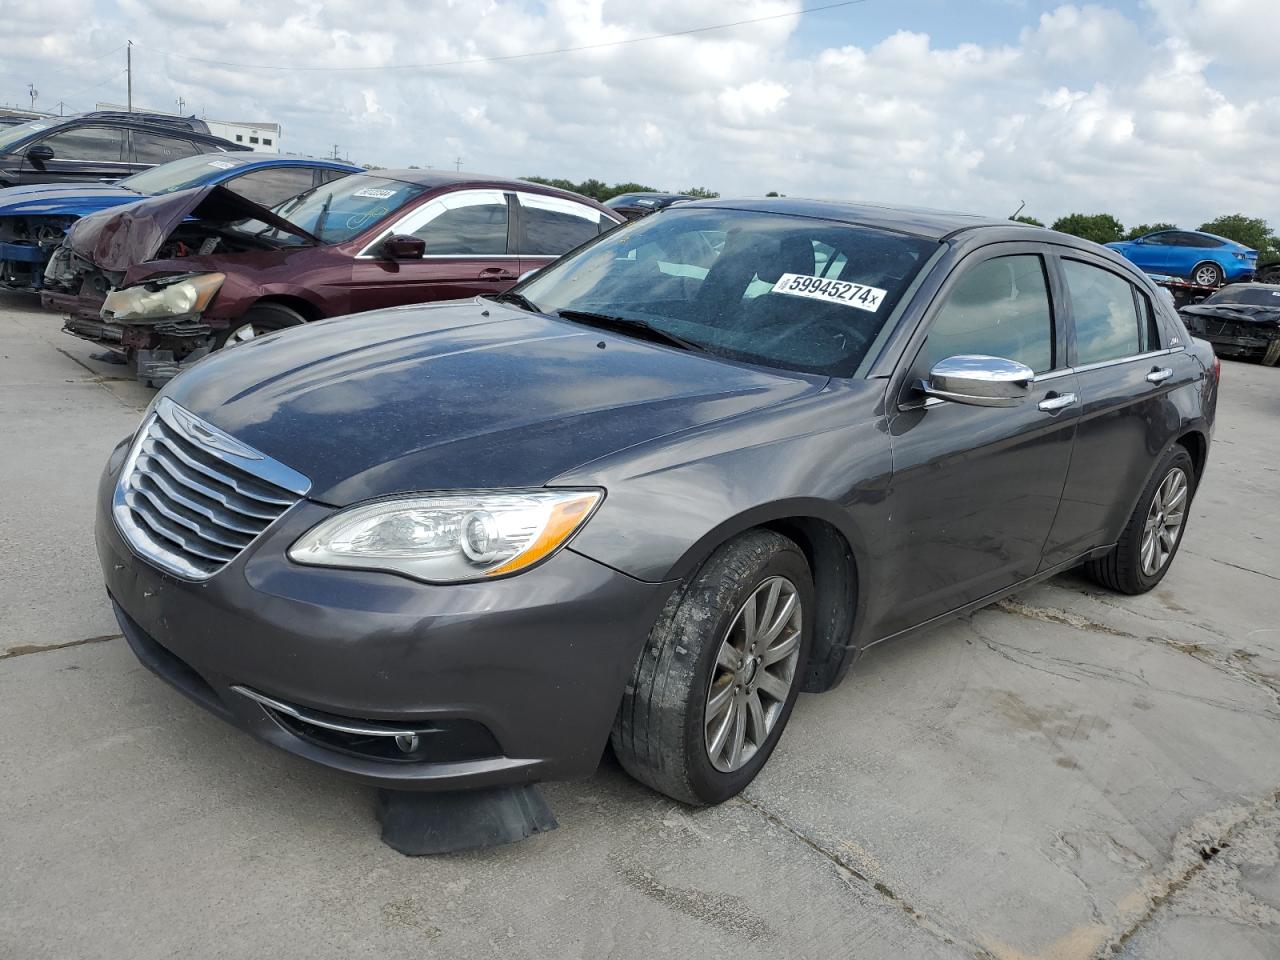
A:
{"points": [[1234, 566], [1233, 664], [1194, 848], [28, 649], [849, 873]]}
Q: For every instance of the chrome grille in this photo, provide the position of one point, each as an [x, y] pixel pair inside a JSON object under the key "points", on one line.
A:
{"points": [[190, 498]]}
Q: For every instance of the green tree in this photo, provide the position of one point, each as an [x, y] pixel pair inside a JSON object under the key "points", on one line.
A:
{"points": [[1142, 229], [595, 189], [1025, 219], [1098, 227], [702, 193], [1249, 231]]}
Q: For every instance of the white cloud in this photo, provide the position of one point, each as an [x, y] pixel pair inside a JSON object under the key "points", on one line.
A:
{"points": [[1169, 114]]}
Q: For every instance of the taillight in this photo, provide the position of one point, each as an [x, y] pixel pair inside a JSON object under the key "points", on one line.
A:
{"points": [[1217, 369]]}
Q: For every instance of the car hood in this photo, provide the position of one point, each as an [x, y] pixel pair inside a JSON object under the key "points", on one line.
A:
{"points": [[117, 239], [1235, 312], [61, 199], [468, 394]]}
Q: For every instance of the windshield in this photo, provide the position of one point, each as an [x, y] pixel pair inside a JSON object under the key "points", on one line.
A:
{"points": [[340, 209], [11, 135], [180, 174], [797, 293], [1268, 296]]}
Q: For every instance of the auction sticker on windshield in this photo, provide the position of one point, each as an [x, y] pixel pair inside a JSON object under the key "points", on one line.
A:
{"points": [[833, 291], [221, 164], [375, 193]]}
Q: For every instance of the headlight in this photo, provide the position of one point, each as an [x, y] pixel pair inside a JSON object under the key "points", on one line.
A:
{"points": [[450, 537], [169, 297]]}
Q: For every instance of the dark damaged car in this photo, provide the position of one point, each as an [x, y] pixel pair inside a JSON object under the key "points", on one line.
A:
{"points": [[196, 270], [651, 494], [1242, 320]]}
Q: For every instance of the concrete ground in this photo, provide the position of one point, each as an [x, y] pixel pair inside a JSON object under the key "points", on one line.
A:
{"points": [[1069, 774]]}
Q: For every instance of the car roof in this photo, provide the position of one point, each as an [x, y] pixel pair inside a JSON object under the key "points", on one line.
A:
{"points": [[917, 221], [441, 179], [188, 128], [273, 159]]}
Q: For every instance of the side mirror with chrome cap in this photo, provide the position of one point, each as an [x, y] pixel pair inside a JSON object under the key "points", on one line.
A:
{"points": [[980, 381]]}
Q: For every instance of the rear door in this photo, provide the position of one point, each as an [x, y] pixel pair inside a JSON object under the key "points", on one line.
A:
{"points": [[975, 489], [469, 252], [1126, 366], [550, 227], [153, 149], [89, 153]]}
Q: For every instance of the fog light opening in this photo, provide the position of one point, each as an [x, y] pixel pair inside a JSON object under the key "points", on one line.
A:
{"points": [[408, 742]]}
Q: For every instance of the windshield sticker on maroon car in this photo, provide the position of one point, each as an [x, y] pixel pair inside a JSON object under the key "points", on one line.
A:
{"points": [[374, 193], [833, 291]]}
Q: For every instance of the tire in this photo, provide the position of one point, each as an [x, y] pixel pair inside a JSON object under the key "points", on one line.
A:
{"points": [[258, 321], [1125, 569], [661, 733], [1207, 274]]}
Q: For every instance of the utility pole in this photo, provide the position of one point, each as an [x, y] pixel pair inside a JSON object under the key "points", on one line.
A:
{"points": [[128, 68], [335, 152], [457, 164], [181, 103], [60, 106], [33, 93]]}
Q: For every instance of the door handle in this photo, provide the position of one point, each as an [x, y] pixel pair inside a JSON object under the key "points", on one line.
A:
{"points": [[1159, 374], [496, 273], [1055, 403]]}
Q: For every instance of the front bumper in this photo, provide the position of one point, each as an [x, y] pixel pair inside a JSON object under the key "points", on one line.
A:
{"points": [[1236, 339], [538, 661]]}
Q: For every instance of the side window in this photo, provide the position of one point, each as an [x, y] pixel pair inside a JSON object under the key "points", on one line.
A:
{"points": [[999, 308], [467, 224], [1150, 329], [87, 143], [268, 187], [551, 226], [155, 149], [324, 174], [1197, 240], [1106, 318]]}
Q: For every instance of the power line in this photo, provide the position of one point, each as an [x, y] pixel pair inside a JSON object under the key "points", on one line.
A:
{"points": [[516, 56]]}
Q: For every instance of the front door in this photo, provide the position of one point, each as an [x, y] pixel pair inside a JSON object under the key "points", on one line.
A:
{"points": [[1126, 369], [81, 154], [974, 490], [468, 253]]}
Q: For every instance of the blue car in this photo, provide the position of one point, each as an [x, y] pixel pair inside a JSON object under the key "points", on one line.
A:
{"points": [[34, 218], [1200, 258]]}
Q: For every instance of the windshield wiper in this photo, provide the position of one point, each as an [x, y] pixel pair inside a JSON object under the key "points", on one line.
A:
{"points": [[518, 299], [630, 325]]}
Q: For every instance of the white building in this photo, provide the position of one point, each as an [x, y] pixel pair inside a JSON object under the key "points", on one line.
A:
{"points": [[261, 137]]}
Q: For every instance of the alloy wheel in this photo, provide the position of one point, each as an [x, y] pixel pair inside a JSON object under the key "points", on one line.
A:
{"points": [[244, 333], [754, 671], [1206, 276], [1164, 520]]}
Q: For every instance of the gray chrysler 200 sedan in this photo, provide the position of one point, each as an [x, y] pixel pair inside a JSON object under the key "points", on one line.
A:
{"points": [[653, 493]]}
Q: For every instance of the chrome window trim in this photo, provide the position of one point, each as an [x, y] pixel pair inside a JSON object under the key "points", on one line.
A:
{"points": [[1130, 358], [409, 217]]}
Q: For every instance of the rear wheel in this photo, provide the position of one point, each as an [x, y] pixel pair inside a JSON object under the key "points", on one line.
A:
{"points": [[1141, 557], [258, 321], [1207, 274], [715, 685]]}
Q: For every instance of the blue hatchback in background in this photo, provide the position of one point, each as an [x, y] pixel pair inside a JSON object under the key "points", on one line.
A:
{"points": [[35, 218], [1200, 258]]}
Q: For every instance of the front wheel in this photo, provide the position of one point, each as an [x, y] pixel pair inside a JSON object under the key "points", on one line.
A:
{"points": [[1207, 275], [716, 682], [1141, 557], [258, 321]]}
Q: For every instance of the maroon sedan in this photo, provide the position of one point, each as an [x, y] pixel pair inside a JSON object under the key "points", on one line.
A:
{"points": [[173, 277]]}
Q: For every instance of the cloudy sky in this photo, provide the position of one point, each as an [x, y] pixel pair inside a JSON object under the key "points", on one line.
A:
{"points": [[1150, 109]]}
